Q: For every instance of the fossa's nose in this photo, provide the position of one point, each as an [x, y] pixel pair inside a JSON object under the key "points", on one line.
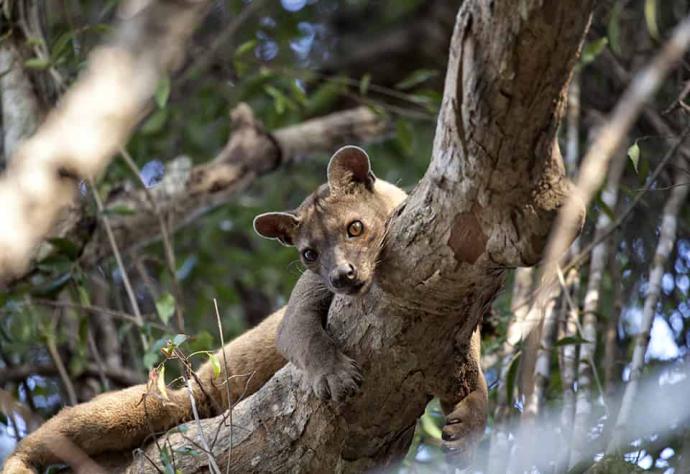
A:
{"points": [[343, 276]]}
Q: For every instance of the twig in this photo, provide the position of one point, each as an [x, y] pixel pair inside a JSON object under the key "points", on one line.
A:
{"points": [[222, 39], [573, 308], [57, 360], [611, 228], [98, 309], [227, 381], [97, 357], [125, 279], [165, 236], [664, 247], [213, 466], [607, 142]]}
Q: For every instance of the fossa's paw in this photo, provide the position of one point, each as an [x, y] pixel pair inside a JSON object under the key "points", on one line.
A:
{"points": [[464, 429], [460, 440], [337, 379]]}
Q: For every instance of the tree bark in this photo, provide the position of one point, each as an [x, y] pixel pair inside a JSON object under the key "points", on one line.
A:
{"points": [[485, 204]]}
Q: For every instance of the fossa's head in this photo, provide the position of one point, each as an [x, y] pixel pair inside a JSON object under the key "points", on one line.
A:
{"points": [[338, 230]]}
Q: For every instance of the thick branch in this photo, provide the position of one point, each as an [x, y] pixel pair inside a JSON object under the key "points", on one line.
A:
{"points": [[92, 121], [486, 201]]}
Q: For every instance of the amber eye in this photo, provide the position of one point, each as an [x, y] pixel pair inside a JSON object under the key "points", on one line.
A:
{"points": [[310, 255], [355, 229]]}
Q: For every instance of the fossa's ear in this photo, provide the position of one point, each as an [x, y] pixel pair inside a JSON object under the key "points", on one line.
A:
{"points": [[349, 165], [277, 225]]}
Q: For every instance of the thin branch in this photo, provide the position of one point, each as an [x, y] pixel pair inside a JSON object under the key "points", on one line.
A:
{"points": [[167, 242], [57, 360], [598, 261], [597, 159], [227, 381], [667, 237], [582, 256], [123, 271], [213, 466]]}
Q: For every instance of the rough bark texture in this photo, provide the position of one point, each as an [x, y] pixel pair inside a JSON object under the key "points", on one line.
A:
{"points": [[485, 204]]}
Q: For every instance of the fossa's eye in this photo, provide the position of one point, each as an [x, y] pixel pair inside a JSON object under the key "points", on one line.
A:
{"points": [[355, 229], [310, 255]]}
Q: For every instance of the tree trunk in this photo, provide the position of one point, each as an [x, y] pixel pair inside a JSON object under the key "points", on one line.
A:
{"points": [[486, 204]]}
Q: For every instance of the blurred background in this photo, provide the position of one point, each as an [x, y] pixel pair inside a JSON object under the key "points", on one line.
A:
{"points": [[67, 332]]}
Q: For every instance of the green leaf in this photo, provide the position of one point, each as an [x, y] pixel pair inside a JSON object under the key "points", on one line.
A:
{"points": [[179, 339], [592, 50], [187, 451], [570, 341], [613, 28], [166, 461], [65, 247], [280, 101], [417, 77], [364, 84], [512, 374], [162, 92], [37, 64], [404, 135], [605, 208], [650, 9], [323, 98], [165, 306], [53, 286], [634, 155], [215, 364], [245, 47], [429, 426], [60, 45], [118, 210], [150, 359], [83, 296], [155, 122]]}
